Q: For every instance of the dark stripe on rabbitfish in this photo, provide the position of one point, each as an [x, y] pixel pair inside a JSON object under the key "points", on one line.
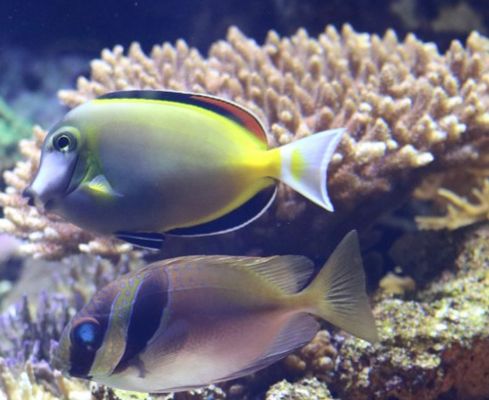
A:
{"points": [[214, 104], [147, 310], [98, 308]]}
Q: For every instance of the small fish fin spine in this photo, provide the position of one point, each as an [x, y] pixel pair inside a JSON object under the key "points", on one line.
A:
{"points": [[288, 273], [304, 165], [338, 293]]}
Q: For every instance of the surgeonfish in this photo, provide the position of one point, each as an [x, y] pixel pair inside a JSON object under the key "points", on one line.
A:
{"points": [[138, 164], [192, 321]]}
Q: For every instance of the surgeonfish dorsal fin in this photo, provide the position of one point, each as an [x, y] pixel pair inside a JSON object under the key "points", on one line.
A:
{"points": [[218, 105]]}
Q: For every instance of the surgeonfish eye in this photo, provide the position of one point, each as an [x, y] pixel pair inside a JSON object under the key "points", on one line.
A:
{"points": [[86, 334], [64, 142]]}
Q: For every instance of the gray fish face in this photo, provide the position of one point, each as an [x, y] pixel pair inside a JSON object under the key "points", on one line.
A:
{"points": [[59, 170]]}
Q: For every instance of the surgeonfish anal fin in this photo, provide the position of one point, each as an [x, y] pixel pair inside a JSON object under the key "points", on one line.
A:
{"points": [[339, 291], [305, 165], [101, 186], [236, 219], [297, 332], [218, 105], [150, 241]]}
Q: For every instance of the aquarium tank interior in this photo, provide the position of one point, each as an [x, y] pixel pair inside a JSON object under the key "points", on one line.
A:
{"points": [[261, 200]]}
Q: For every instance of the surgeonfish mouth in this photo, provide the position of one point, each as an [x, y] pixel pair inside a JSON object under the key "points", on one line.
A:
{"points": [[51, 182]]}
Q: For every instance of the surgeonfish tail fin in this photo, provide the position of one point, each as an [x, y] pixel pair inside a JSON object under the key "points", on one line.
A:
{"points": [[305, 163], [338, 292]]}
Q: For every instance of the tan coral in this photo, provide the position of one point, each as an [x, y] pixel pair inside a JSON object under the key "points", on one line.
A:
{"points": [[407, 108], [52, 386], [460, 211]]}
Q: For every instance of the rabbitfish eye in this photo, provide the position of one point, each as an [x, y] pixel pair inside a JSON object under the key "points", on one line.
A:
{"points": [[64, 142], [86, 334]]}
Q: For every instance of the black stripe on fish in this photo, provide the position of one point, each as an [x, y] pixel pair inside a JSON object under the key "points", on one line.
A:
{"points": [[147, 311], [233, 220], [99, 309], [220, 106]]}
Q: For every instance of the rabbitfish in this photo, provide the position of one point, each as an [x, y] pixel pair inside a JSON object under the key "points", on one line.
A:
{"points": [[138, 164], [192, 321]]}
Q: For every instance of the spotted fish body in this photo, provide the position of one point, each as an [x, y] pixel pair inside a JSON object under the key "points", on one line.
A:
{"points": [[192, 321], [138, 163]]}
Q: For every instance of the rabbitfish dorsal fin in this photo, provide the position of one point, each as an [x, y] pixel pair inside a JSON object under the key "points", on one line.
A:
{"points": [[218, 105], [288, 273]]}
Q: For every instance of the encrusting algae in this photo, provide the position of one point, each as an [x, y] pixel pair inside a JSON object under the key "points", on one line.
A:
{"points": [[407, 109]]}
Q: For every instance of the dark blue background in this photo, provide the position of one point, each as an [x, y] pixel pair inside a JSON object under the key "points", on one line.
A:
{"points": [[87, 26]]}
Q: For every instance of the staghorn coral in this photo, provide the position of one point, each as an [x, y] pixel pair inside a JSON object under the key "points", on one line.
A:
{"points": [[407, 109]]}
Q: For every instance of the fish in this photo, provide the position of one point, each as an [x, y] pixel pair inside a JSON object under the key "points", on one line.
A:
{"points": [[145, 163], [192, 321]]}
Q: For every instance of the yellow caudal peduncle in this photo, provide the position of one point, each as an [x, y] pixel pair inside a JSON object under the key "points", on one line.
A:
{"points": [[272, 163]]}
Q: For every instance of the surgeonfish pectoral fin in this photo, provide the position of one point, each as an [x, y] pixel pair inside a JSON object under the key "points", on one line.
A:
{"points": [[297, 332], [151, 241], [340, 294], [305, 164], [101, 186]]}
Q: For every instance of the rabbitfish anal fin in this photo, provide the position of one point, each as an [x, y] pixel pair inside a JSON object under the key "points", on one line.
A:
{"points": [[220, 106], [101, 186], [298, 331]]}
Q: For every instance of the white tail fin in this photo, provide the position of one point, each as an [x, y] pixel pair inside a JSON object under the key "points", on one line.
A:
{"points": [[305, 164], [338, 293]]}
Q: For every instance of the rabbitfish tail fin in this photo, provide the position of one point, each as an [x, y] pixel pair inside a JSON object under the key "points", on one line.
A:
{"points": [[305, 163], [338, 292]]}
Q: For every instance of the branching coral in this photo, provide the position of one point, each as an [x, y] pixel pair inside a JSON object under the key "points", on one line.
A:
{"points": [[406, 107], [460, 211]]}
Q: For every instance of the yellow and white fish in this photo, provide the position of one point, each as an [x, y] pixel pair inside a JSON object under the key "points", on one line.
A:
{"points": [[138, 164], [192, 321]]}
